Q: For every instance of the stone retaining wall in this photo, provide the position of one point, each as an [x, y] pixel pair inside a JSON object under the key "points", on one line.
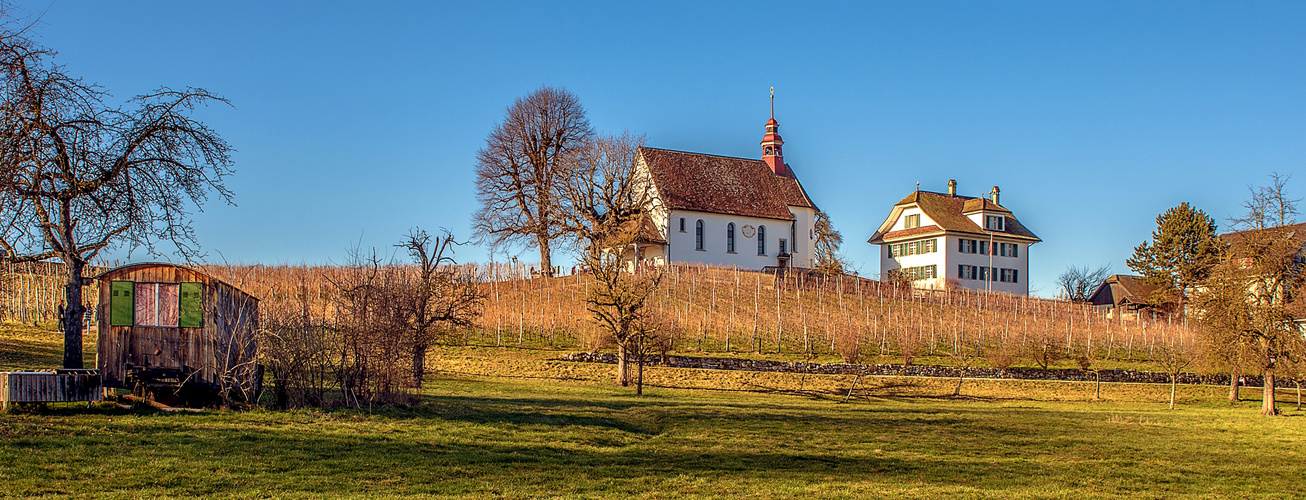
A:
{"points": [[920, 370]]}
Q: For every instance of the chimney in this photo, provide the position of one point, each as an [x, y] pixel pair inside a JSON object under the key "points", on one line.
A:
{"points": [[994, 192], [952, 187]]}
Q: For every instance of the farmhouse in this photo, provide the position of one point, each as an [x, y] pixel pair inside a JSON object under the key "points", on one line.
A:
{"points": [[725, 211], [1272, 243], [1123, 296], [165, 327], [935, 239]]}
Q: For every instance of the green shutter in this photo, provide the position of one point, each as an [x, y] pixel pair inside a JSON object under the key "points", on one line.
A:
{"points": [[121, 304], [192, 305]]}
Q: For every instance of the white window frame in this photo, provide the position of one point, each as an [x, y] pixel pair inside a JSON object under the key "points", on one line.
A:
{"points": [[911, 221]]}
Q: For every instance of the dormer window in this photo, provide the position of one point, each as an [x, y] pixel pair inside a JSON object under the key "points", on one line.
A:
{"points": [[912, 221], [995, 222]]}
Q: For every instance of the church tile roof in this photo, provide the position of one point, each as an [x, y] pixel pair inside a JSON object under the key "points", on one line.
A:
{"points": [[723, 185]]}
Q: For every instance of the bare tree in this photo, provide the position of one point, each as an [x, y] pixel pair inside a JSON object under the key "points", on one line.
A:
{"points": [[604, 207], [964, 357], [1294, 368], [602, 192], [617, 299], [1086, 360], [1177, 350], [522, 166], [898, 278], [653, 334], [82, 175], [828, 260], [1044, 346], [374, 330], [1253, 296], [300, 347], [1078, 283], [239, 378], [440, 296], [1268, 206], [1221, 318]]}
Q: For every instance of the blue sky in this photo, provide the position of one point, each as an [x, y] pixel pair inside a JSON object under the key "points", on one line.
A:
{"points": [[357, 121]]}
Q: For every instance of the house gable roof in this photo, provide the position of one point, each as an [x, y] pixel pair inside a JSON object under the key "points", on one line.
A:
{"points": [[1295, 231], [723, 184], [949, 215]]}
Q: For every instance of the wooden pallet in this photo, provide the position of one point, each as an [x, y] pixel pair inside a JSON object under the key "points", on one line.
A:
{"points": [[59, 386]]}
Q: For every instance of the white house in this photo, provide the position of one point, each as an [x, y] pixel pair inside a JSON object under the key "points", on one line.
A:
{"points": [[725, 211], [935, 239]]}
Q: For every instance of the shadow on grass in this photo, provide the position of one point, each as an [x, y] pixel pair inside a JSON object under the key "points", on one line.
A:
{"points": [[582, 441], [176, 452]]}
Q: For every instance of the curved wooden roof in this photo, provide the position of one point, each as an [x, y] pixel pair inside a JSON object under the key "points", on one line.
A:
{"points": [[168, 272]]}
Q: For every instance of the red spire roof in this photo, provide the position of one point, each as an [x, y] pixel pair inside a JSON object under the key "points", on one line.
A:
{"points": [[771, 143]]}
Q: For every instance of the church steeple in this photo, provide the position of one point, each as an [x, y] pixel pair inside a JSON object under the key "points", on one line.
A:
{"points": [[772, 144]]}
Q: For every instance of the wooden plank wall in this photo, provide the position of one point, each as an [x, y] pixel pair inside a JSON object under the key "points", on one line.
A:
{"points": [[225, 344], [48, 387]]}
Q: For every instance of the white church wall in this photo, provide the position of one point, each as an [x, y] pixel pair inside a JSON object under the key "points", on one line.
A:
{"points": [[714, 252]]}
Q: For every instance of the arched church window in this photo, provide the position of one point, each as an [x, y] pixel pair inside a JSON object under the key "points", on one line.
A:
{"points": [[730, 238], [761, 240], [698, 235]]}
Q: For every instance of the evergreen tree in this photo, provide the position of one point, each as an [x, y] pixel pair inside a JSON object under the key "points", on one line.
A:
{"points": [[1183, 250]]}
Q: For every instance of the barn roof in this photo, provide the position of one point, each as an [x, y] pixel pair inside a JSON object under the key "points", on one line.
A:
{"points": [[1136, 289], [723, 185]]}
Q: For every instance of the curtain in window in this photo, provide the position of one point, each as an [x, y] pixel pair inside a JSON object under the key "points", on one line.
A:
{"points": [[146, 297], [167, 304]]}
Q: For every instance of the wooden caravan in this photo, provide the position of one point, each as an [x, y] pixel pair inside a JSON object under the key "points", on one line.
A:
{"points": [[166, 328]]}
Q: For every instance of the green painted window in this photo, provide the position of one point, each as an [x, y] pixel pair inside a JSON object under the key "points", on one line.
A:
{"points": [[192, 305], [121, 303]]}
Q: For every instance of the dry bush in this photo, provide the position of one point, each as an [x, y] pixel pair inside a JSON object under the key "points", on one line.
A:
{"points": [[358, 334], [848, 343], [374, 366]]}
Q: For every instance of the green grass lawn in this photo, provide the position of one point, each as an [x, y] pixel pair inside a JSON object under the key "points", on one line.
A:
{"points": [[562, 430]]}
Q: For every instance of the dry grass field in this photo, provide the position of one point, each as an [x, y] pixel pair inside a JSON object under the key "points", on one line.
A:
{"points": [[730, 312]]}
